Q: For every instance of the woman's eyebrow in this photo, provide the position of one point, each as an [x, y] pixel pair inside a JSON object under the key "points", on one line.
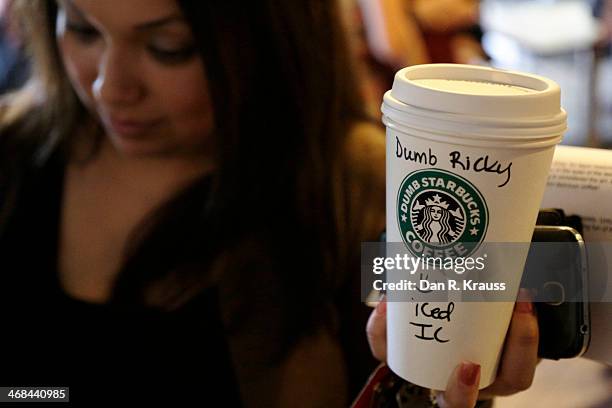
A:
{"points": [[148, 25], [160, 22]]}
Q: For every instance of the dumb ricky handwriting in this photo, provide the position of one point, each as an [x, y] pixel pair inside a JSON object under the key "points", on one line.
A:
{"points": [[426, 158], [482, 163]]}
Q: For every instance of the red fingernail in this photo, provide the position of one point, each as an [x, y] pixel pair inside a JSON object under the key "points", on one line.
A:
{"points": [[469, 373], [381, 307]]}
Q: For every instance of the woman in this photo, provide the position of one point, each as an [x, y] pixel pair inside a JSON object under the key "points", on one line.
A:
{"points": [[175, 203], [184, 189]]}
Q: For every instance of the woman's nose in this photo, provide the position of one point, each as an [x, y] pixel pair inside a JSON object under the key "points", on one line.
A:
{"points": [[116, 85]]}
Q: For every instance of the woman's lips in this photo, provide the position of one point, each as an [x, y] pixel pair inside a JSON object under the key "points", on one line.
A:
{"points": [[130, 127]]}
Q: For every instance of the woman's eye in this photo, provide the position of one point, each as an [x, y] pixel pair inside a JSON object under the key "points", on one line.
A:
{"points": [[84, 33], [172, 56]]}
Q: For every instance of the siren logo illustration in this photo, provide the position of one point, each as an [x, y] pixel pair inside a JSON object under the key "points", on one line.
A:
{"points": [[434, 221], [441, 214]]}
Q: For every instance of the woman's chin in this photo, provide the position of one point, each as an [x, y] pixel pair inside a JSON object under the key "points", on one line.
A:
{"points": [[137, 147]]}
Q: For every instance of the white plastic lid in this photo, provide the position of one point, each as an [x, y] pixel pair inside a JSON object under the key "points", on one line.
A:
{"points": [[476, 91], [472, 87]]}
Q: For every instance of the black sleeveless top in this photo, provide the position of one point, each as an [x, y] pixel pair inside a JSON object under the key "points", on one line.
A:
{"points": [[104, 353]]}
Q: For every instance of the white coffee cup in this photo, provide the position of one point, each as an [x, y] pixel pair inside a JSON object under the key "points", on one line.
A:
{"points": [[468, 153]]}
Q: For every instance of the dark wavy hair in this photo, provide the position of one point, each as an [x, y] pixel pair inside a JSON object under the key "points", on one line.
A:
{"points": [[269, 222]]}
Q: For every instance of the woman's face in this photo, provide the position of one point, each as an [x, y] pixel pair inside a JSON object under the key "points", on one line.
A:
{"points": [[436, 212], [135, 65]]}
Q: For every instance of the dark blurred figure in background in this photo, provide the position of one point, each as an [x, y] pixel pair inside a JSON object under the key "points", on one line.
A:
{"points": [[400, 33], [409, 32], [13, 63], [602, 9]]}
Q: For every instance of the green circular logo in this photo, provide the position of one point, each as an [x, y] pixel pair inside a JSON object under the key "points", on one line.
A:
{"points": [[441, 214]]}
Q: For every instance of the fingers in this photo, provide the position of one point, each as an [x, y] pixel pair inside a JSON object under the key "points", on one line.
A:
{"points": [[376, 330], [520, 355], [462, 388]]}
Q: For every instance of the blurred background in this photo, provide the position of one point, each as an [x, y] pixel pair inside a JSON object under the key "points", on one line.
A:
{"points": [[565, 40], [13, 62]]}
